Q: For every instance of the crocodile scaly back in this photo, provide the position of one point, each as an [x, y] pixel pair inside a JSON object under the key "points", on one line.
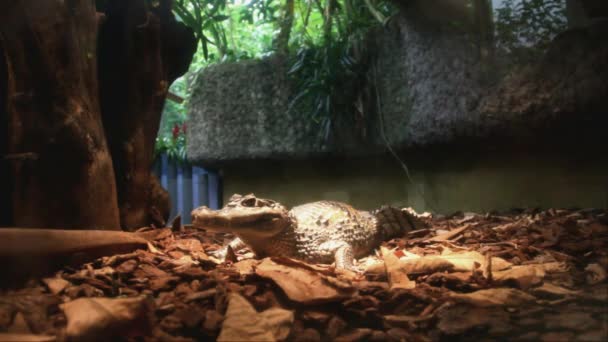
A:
{"points": [[392, 222]]}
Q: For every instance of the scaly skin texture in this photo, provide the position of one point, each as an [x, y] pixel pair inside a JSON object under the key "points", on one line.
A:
{"points": [[317, 232]]}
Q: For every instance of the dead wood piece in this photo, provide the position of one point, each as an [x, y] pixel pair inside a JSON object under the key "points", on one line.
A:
{"points": [[53, 111], [449, 235], [397, 274], [494, 297], [56, 285], [523, 277], [26, 337], [29, 252]]}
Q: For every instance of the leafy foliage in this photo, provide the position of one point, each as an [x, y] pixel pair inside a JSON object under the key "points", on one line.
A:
{"points": [[322, 38], [525, 28], [328, 57], [227, 31], [174, 146]]}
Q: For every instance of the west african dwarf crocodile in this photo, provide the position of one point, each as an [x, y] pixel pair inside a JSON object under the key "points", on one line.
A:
{"points": [[317, 232]]}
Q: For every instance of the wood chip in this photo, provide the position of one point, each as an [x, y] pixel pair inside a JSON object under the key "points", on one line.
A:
{"points": [[494, 297], [244, 323], [56, 285]]}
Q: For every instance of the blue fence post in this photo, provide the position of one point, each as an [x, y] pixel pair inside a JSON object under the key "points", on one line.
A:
{"points": [[172, 188], [187, 194], [203, 188], [214, 189], [164, 168], [188, 186], [179, 196]]}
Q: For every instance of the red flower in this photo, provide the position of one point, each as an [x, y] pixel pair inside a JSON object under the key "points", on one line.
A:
{"points": [[175, 131]]}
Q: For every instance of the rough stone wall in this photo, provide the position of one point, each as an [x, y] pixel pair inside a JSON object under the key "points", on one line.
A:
{"points": [[428, 78], [566, 92], [240, 111], [433, 89]]}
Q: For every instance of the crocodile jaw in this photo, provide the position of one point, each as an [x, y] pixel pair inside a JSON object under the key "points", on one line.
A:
{"points": [[257, 221]]}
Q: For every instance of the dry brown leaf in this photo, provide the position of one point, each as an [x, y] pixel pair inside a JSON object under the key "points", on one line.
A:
{"points": [[466, 261], [154, 250], [155, 234], [553, 267], [449, 235], [149, 271], [92, 319], [459, 318], [297, 263], [246, 266], [375, 268], [304, 285], [244, 323], [507, 226], [405, 321], [184, 262], [426, 265], [396, 272], [56, 285], [188, 245], [127, 266], [10, 337], [162, 283], [360, 334], [213, 321], [524, 276], [19, 325], [595, 274], [201, 295], [494, 297], [548, 289]]}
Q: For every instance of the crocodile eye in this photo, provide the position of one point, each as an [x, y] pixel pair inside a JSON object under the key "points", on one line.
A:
{"points": [[249, 202]]}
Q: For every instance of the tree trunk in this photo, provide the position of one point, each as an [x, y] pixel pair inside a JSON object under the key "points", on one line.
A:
{"points": [[281, 44], [142, 51], [576, 14], [52, 139], [61, 170], [5, 184], [6, 211]]}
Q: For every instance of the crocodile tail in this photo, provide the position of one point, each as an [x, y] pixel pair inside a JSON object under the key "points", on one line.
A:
{"points": [[394, 222]]}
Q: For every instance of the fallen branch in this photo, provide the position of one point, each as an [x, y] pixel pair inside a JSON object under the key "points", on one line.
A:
{"points": [[29, 252], [175, 98], [449, 235]]}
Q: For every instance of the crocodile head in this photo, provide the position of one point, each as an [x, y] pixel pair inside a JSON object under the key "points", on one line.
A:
{"points": [[244, 215]]}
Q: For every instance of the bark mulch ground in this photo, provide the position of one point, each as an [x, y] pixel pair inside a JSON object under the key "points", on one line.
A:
{"points": [[525, 275]]}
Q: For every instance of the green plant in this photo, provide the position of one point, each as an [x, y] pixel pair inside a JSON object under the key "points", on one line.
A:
{"points": [[318, 72], [525, 28], [227, 30], [327, 65], [321, 36], [174, 145], [213, 23]]}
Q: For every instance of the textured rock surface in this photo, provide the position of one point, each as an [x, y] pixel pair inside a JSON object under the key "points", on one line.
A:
{"points": [[433, 89], [240, 110], [429, 81], [566, 89]]}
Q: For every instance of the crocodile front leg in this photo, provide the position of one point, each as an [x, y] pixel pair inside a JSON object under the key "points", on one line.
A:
{"points": [[344, 257], [342, 252]]}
